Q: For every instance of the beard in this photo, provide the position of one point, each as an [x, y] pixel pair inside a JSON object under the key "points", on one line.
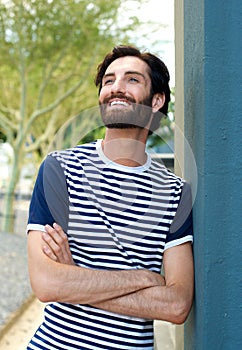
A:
{"points": [[136, 115]]}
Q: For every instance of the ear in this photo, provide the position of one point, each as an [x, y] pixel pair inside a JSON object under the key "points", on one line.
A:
{"points": [[158, 101]]}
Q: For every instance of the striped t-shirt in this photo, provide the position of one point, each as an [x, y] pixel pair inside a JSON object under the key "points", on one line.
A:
{"points": [[115, 217]]}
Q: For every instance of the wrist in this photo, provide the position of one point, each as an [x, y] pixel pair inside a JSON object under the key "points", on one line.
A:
{"points": [[153, 279]]}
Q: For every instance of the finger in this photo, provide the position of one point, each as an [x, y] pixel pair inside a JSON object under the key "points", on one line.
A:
{"points": [[61, 239], [59, 229], [51, 232], [57, 234], [49, 253], [57, 240], [53, 246]]}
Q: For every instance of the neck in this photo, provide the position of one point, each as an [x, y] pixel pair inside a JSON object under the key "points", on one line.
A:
{"points": [[125, 146]]}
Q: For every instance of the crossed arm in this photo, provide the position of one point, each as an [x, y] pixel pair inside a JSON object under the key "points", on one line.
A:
{"points": [[139, 293]]}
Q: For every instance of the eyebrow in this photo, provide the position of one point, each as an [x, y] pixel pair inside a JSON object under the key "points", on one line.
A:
{"points": [[126, 73]]}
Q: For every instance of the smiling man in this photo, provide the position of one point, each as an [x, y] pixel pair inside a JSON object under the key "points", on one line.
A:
{"points": [[124, 90], [120, 215]]}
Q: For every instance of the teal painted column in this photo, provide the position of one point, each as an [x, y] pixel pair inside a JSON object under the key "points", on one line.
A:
{"points": [[213, 127]]}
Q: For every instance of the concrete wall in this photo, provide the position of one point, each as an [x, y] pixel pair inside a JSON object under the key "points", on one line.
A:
{"points": [[208, 108]]}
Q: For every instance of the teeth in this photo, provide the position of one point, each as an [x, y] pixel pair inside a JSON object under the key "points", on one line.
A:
{"points": [[122, 103]]}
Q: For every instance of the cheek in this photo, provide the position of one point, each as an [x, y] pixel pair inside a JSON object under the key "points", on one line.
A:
{"points": [[103, 94]]}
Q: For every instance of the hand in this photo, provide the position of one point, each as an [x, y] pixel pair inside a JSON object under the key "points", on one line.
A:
{"points": [[56, 245]]}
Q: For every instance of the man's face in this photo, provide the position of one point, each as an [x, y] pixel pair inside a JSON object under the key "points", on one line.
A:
{"points": [[125, 99]]}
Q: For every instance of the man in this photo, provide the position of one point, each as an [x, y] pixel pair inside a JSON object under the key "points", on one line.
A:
{"points": [[120, 216]]}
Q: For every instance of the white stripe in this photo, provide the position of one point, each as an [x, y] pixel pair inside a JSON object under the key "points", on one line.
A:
{"points": [[178, 242], [35, 227]]}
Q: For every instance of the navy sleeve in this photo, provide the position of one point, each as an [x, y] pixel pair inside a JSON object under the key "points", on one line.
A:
{"points": [[50, 200], [181, 229], [39, 212]]}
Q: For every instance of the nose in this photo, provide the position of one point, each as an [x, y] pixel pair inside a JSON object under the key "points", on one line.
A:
{"points": [[118, 86]]}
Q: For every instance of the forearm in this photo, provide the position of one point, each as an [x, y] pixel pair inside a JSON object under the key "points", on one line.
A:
{"points": [[167, 299], [168, 303], [52, 281], [74, 284]]}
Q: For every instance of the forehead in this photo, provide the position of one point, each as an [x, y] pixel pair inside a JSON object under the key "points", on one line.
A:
{"points": [[126, 64]]}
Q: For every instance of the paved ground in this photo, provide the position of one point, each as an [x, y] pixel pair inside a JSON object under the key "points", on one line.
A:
{"points": [[14, 283], [18, 335]]}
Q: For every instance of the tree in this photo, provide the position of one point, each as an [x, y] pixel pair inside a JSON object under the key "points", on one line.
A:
{"points": [[49, 50]]}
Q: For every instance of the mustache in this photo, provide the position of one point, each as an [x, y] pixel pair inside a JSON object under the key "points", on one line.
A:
{"points": [[119, 96]]}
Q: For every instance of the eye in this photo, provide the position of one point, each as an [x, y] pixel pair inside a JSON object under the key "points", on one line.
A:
{"points": [[108, 81], [133, 80]]}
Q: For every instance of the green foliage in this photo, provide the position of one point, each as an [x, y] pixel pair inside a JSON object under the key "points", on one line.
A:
{"points": [[49, 53], [2, 137], [94, 135]]}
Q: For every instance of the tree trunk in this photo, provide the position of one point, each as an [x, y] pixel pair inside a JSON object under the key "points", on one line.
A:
{"points": [[9, 200]]}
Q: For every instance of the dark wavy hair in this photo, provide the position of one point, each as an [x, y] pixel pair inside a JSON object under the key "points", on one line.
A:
{"points": [[158, 72]]}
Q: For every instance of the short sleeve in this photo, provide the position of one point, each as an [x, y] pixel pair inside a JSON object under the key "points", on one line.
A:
{"points": [[50, 200], [181, 229]]}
